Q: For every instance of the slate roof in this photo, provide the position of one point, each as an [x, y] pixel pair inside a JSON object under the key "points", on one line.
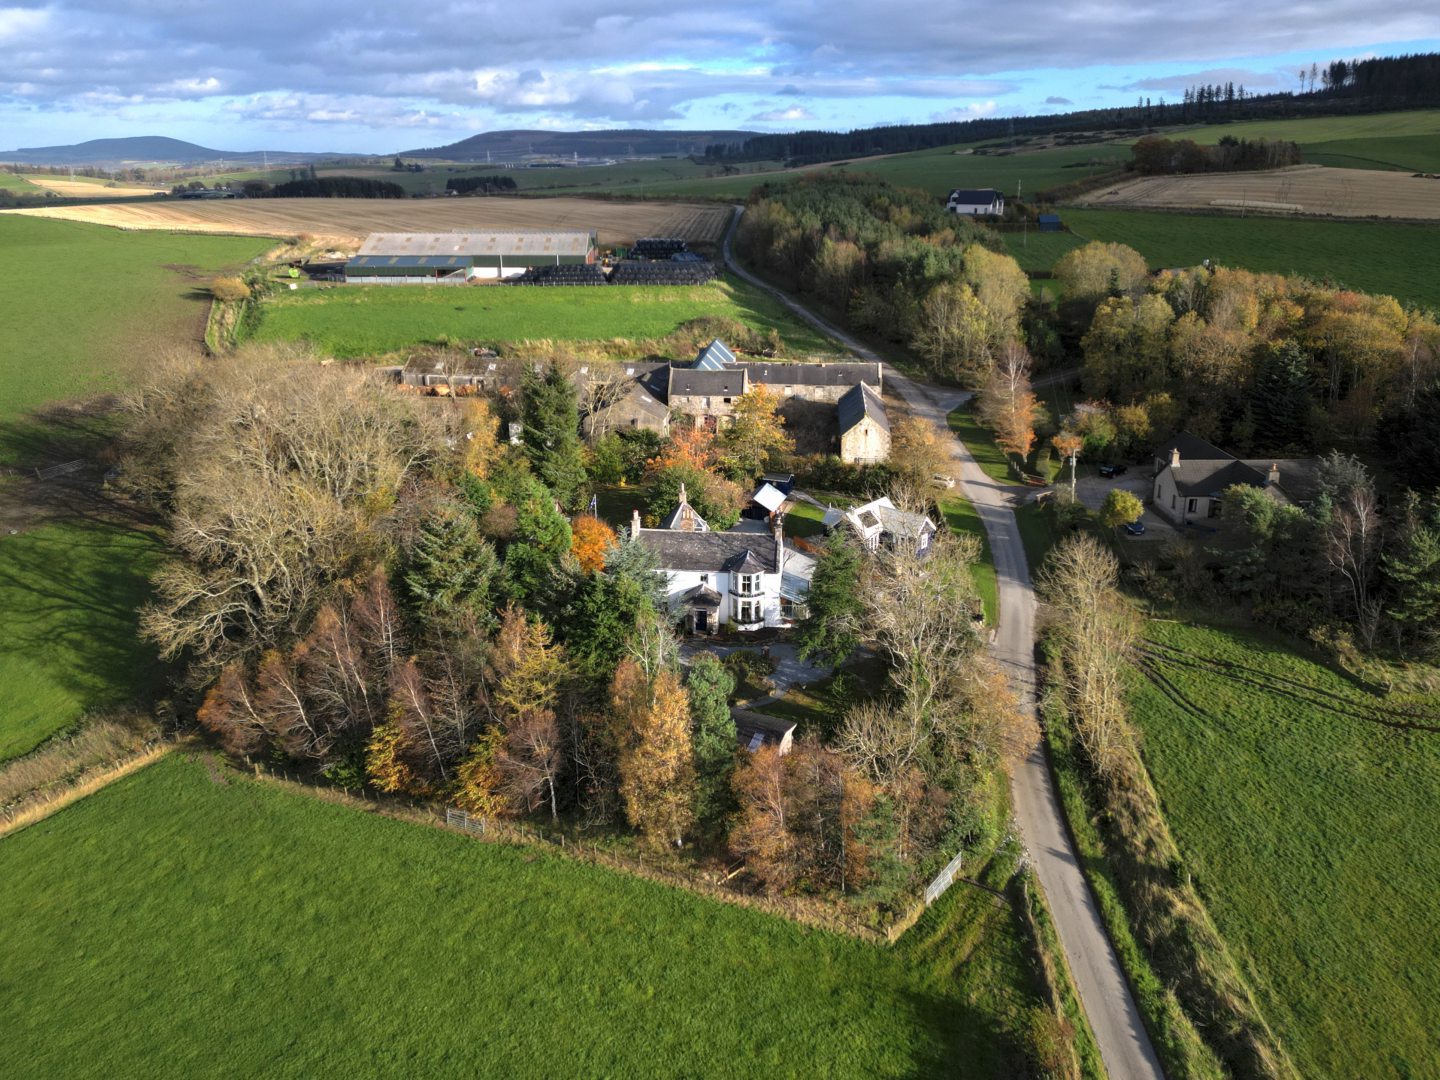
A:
{"points": [[858, 403], [711, 551], [1204, 468], [701, 596], [811, 374], [882, 514], [690, 382], [486, 242], [754, 730], [975, 196], [714, 356], [642, 400]]}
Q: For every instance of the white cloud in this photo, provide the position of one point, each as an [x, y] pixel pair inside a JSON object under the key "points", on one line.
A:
{"points": [[19, 23], [973, 111], [795, 114]]}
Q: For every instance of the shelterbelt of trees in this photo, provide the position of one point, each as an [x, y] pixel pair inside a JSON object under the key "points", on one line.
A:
{"points": [[893, 263], [372, 587], [1339, 88]]}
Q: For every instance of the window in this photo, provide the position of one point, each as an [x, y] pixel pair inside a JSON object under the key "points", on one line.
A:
{"points": [[747, 584], [1172, 502], [1190, 505], [704, 579], [749, 612]]}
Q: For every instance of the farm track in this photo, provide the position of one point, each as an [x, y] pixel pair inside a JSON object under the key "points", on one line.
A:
{"points": [[347, 221], [1311, 190], [1109, 1004]]}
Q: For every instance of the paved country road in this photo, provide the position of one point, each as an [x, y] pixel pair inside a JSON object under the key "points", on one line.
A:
{"points": [[1124, 1043]]}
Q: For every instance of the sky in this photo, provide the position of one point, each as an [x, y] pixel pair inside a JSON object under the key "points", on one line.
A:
{"points": [[380, 76]]}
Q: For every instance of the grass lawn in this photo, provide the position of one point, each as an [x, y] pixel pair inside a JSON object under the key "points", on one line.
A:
{"points": [[804, 520], [960, 515], [351, 321], [981, 444], [190, 923], [85, 305], [1037, 532], [1395, 258], [1309, 824], [68, 642]]}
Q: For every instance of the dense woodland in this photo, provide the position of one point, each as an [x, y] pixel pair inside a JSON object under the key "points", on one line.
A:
{"points": [[1156, 156], [1343, 87], [334, 187], [484, 185], [370, 585]]}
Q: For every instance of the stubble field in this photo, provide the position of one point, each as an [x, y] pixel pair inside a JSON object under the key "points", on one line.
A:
{"points": [[347, 221], [1306, 189]]}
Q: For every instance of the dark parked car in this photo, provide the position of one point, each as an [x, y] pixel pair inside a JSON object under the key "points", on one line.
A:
{"points": [[1136, 528], [1111, 471]]}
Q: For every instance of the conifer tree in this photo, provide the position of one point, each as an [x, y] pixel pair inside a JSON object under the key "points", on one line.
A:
{"points": [[713, 739], [451, 568], [551, 432]]}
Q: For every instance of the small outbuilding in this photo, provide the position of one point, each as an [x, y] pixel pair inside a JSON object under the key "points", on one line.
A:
{"points": [[1050, 223], [864, 427], [754, 730]]}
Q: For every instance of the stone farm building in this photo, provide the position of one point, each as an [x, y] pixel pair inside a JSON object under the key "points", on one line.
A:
{"points": [[976, 202], [427, 258], [864, 427], [742, 578]]}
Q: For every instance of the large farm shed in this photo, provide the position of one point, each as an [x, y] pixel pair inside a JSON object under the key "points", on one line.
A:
{"points": [[403, 258]]}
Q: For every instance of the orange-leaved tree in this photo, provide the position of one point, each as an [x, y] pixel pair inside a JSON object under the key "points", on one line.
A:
{"points": [[590, 540], [651, 724]]}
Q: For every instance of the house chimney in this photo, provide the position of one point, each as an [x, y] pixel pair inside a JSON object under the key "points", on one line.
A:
{"points": [[779, 528], [683, 499], [634, 524], [1175, 457], [1273, 480]]}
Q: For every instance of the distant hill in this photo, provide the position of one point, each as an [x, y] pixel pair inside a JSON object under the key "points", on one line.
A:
{"points": [[145, 148], [505, 146]]}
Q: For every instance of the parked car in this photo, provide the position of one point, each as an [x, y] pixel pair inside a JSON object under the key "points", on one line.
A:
{"points": [[1136, 528], [941, 480], [1112, 471]]}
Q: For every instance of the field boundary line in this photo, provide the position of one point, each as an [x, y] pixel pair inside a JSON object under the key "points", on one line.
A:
{"points": [[507, 833], [88, 785]]}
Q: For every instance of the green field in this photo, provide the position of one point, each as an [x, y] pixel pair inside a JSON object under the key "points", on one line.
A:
{"points": [[188, 922], [85, 306], [69, 593], [1039, 251], [371, 320], [17, 184], [1409, 141], [1306, 812], [1384, 257]]}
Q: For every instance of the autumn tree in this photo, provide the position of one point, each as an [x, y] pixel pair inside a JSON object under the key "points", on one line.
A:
{"points": [[527, 672], [1008, 405], [917, 452], [716, 499], [650, 717], [1100, 269], [1068, 444], [590, 540], [275, 488], [756, 435], [481, 432], [1096, 629]]}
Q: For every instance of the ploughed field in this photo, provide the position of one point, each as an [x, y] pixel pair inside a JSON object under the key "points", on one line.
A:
{"points": [[1304, 805], [190, 921], [348, 221]]}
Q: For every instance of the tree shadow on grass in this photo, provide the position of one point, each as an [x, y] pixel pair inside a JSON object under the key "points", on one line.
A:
{"points": [[75, 558]]}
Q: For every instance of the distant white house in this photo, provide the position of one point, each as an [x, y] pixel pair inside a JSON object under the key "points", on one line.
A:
{"points": [[1191, 476], [976, 202], [739, 579]]}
